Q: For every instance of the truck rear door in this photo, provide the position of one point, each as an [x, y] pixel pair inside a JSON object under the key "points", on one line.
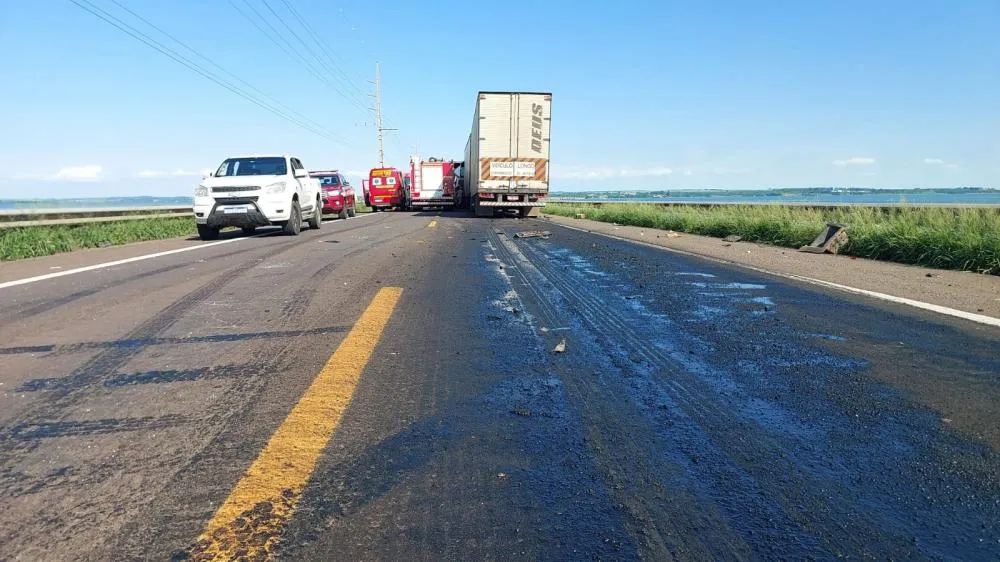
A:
{"points": [[432, 181]]}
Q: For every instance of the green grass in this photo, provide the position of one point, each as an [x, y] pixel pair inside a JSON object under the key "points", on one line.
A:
{"points": [[964, 239], [34, 241]]}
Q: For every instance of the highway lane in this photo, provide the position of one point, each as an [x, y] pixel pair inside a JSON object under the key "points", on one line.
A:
{"points": [[699, 410]]}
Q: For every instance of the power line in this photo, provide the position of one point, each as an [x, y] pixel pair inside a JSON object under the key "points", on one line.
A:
{"points": [[209, 61], [330, 54], [310, 51], [173, 55], [288, 48]]}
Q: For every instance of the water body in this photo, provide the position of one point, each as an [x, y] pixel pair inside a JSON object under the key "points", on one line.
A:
{"points": [[94, 202], [821, 196]]}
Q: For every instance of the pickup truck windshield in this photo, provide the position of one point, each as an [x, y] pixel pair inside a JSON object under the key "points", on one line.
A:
{"points": [[268, 166], [328, 180]]}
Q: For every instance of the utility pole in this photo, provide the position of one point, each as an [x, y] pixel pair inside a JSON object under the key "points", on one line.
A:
{"points": [[378, 115]]}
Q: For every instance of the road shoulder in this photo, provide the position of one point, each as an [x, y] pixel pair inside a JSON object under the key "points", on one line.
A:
{"points": [[968, 292]]}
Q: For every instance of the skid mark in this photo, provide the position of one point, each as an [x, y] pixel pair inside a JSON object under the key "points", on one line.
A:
{"points": [[249, 523], [43, 430], [151, 377], [134, 343]]}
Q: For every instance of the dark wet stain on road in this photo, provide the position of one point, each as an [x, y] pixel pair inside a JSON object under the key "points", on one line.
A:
{"points": [[781, 445]]}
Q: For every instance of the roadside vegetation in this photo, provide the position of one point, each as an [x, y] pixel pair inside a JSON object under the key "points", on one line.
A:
{"points": [[34, 241], [964, 239]]}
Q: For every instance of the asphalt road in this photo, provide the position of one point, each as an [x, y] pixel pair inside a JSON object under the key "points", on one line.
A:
{"points": [[386, 388]]}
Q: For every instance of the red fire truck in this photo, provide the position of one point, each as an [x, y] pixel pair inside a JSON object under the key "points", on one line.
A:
{"points": [[433, 184]]}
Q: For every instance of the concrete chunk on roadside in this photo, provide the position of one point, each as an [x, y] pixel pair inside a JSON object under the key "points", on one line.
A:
{"points": [[833, 237], [560, 347]]}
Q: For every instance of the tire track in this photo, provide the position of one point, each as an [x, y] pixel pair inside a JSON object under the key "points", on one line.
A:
{"points": [[786, 484], [146, 533], [621, 442], [672, 377]]}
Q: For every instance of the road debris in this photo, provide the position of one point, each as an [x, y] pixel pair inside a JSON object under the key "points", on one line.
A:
{"points": [[533, 234], [733, 238], [833, 237], [672, 234], [523, 412], [560, 348]]}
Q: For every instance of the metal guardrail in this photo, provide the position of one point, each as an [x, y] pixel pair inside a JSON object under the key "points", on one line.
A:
{"points": [[14, 218]]}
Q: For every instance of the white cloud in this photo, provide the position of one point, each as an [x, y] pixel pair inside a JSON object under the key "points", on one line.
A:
{"points": [[856, 161], [939, 162], [581, 173], [688, 173], [90, 172], [179, 173]]}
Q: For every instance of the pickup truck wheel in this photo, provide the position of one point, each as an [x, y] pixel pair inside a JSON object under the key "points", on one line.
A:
{"points": [[206, 232], [294, 224], [343, 213], [353, 211], [317, 219]]}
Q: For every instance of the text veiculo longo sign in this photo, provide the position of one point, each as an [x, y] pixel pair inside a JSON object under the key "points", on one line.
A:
{"points": [[512, 169]]}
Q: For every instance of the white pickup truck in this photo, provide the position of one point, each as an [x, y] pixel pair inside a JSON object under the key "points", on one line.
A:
{"points": [[258, 190]]}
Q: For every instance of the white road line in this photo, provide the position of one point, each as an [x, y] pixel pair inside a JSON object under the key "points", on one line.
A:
{"points": [[978, 318], [87, 268]]}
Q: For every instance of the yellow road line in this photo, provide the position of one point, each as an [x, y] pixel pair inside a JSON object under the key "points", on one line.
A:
{"points": [[249, 524], [433, 224]]}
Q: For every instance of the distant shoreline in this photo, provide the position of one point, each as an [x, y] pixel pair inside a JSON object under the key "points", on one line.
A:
{"points": [[812, 195]]}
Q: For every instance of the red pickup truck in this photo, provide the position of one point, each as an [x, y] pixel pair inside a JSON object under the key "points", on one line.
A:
{"points": [[338, 195]]}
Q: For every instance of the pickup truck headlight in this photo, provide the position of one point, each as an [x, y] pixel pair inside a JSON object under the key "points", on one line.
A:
{"points": [[333, 192], [276, 187], [201, 191]]}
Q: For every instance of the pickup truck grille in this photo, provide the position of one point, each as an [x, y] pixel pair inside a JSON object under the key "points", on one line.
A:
{"points": [[235, 188], [236, 200]]}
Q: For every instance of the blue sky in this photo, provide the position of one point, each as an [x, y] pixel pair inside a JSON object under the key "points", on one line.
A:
{"points": [[646, 95]]}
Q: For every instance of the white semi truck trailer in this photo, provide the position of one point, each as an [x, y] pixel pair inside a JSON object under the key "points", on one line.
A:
{"points": [[507, 154]]}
